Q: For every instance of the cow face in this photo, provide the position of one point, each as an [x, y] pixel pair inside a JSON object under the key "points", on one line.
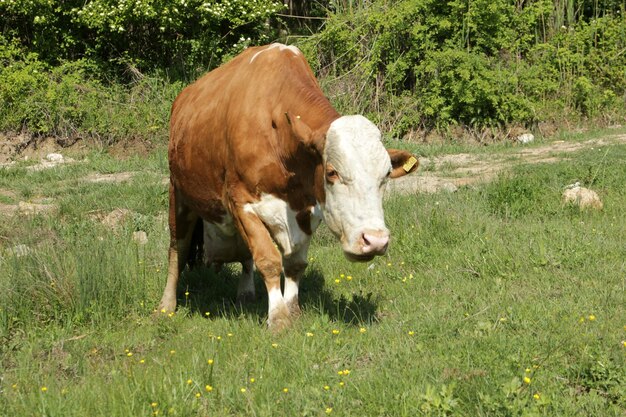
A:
{"points": [[357, 167]]}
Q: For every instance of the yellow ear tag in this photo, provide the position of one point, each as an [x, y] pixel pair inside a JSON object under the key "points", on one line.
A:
{"points": [[409, 164]]}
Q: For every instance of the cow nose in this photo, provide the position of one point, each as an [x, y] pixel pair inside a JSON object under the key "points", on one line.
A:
{"points": [[375, 242]]}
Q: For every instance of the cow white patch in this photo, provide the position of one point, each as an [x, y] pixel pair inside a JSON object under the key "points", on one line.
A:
{"points": [[281, 47], [281, 221], [353, 205]]}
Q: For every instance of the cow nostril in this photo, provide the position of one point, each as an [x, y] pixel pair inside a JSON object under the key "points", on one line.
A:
{"points": [[374, 242]]}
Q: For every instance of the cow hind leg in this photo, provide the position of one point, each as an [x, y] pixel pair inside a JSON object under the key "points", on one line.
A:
{"points": [[245, 291], [182, 222]]}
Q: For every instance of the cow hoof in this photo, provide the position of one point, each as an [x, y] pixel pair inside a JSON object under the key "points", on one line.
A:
{"points": [[246, 297], [166, 307], [279, 319], [294, 308]]}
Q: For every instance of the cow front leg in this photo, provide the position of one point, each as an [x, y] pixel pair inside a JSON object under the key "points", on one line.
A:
{"points": [[268, 262], [294, 266], [245, 291]]}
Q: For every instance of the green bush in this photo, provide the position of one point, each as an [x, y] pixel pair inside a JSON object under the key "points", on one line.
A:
{"points": [[68, 101], [422, 64], [181, 36]]}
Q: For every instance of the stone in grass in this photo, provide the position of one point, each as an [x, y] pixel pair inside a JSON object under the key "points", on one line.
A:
{"points": [[582, 197], [140, 237], [19, 250], [526, 138]]}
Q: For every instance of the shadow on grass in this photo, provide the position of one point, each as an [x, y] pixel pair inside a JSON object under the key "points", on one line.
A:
{"points": [[216, 294]]}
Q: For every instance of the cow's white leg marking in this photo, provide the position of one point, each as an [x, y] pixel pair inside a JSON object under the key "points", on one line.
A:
{"points": [[280, 46], [245, 290]]}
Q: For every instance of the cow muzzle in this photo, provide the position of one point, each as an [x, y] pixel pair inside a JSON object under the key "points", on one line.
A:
{"points": [[369, 244]]}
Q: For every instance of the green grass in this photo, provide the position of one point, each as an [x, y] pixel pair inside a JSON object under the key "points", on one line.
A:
{"points": [[480, 289]]}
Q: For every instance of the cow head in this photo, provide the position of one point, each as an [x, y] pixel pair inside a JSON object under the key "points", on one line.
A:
{"points": [[356, 168]]}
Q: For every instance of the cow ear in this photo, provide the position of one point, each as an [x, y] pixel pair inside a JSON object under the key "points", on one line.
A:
{"points": [[311, 138], [402, 162]]}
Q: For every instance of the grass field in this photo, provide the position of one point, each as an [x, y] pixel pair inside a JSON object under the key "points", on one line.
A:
{"points": [[495, 300]]}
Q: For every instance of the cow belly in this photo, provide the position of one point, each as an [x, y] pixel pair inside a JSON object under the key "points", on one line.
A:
{"points": [[223, 243], [282, 223]]}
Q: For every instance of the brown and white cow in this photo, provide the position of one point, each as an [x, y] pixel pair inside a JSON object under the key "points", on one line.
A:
{"points": [[259, 155]]}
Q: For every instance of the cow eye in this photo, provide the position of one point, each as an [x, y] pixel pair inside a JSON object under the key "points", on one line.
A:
{"points": [[331, 175]]}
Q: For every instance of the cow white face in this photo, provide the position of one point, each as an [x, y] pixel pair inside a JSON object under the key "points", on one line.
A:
{"points": [[357, 167]]}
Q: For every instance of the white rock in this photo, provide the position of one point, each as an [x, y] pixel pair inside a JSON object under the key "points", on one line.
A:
{"points": [[55, 157], [526, 138], [140, 237], [24, 207], [20, 250], [582, 197]]}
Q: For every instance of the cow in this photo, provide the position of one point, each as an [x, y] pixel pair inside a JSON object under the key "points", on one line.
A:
{"points": [[259, 155]]}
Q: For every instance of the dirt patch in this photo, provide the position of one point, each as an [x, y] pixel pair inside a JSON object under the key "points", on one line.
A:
{"points": [[28, 208], [113, 219], [448, 172], [110, 178], [126, 149], [20, 146]]}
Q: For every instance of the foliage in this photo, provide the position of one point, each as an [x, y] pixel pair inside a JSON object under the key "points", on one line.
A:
{"points": [[478, 63], [410, 65], [178, 35], [69, 101]]}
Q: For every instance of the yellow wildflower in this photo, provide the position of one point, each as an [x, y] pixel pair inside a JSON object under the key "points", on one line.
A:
{"points": [[198, 395], [309, 334], [536, 396], [336, 332], [210, 361], [411, 333], [189, 381], [326, 387], [153, 404], [243, 390], [44, 389], [208, 388], [362, 330], [592, 317], [329, 410], [527, 380], [285, 390]]}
